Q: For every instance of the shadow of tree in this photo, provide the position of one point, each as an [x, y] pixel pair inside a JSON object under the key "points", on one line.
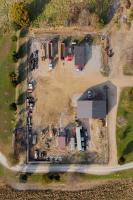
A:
{"points": [[22, 50], [126, 131], [21, 98], [36, 7], [24, 32], [22, 72], [129, 148]]}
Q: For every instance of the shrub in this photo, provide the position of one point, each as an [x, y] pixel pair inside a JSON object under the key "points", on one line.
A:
{"points": [[19, 15], [23, 178], [13, 106], [121, 160], [15, 56], [12, 75], [14, 38]]}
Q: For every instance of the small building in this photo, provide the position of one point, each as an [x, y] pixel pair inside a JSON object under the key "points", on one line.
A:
{"points": [[80, 56], [78, 138], [95, 109], [72, 143], [61, 142]]}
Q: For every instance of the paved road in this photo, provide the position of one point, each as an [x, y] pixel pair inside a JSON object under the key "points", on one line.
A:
{"points": [[88, 169]]}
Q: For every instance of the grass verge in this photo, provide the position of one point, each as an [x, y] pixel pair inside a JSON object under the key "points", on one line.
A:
{"points": [[125, 126], [7, 94]]}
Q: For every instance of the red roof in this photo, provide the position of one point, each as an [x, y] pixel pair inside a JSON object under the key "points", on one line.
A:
{"points": [[61, 140]]}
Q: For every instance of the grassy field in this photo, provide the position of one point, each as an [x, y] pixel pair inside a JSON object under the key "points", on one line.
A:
{"points": [[125, 125], [65, 179], [57, 12], [7, 94]]}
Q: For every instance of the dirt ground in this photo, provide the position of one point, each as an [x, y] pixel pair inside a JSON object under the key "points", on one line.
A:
{"points": [[55, 89], [111, 190]]}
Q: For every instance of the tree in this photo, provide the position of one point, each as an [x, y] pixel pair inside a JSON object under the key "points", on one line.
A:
{"points": [[13, 106], [15, 56], [19, 15], [13, 78], [23, 178], [14, 38]]}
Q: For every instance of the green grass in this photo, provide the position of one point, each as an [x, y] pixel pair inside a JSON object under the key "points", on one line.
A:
{"points": [[64, 178], [125, 127], [7, 94]]}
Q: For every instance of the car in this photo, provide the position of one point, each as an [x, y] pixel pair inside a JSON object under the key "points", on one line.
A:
{"points": [[90, 94], [79, 68], [30, 87], [36, 154], [59, 158], [34, 139], [50, 65]]}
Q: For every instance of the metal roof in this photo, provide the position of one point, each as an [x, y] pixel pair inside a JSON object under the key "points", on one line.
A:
{"points": [[80, 57], [91, 109]]}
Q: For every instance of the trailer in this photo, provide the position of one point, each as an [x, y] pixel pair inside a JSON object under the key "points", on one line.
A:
{"points": [[62, 51], [43, 51], [52, 48]]}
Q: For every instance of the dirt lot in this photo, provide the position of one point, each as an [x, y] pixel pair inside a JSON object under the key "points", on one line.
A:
{"points": [[55, 89], [54, 93]]}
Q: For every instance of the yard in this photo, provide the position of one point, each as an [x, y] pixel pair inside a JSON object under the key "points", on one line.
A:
{"points": [[7, 94], [125, 126]]}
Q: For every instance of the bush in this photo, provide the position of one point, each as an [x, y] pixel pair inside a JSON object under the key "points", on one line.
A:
{"points": [[15, 56], [14, 38], [14, 83], [19, 15], [121, 160], [48, 178], [23, 178], [13, 106], [13, 75]]}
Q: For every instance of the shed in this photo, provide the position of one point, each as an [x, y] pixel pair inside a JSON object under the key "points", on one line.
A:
{"points": [[91, 109], [80, 55], [61, 142]]}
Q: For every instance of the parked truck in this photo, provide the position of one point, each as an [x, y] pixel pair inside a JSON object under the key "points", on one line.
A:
{"points": [[53, 48], [62, 51]]}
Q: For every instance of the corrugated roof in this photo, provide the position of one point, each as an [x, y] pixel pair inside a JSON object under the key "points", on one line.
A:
{"points": [[80, 57], [91, 109]]}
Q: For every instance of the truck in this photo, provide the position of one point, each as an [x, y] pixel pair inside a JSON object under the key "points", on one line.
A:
{"points": [[62, 51], [52, 48]]}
